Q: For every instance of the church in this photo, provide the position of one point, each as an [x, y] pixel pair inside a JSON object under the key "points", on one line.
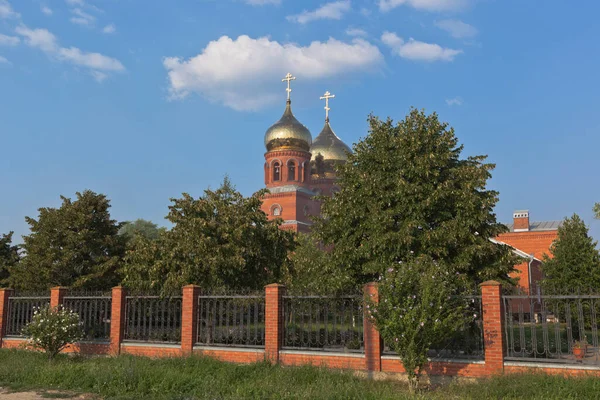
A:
{"points": [[297, 168]]}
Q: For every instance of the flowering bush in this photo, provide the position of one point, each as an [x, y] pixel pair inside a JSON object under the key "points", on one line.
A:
{"points": [[418, 307], [52, 329]]}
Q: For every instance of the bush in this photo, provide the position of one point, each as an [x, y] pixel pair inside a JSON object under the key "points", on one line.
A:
{"points": [[52, 329]]}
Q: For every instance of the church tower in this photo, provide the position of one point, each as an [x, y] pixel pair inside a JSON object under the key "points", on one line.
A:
{"points": [[287, 170]]}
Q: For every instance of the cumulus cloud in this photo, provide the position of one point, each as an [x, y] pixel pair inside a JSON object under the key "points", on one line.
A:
{"points": [[457, 28], [6, 40], [242, 73], [456, 101], [418, 51], [45, 41], [4, 61], [6, 10], [356, 32], [109, 29], [426, 5], [262, 2], [47, 10], [333, 10]]}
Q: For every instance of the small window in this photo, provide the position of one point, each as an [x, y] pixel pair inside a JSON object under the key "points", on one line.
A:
{"points": [[291, 171], [276, 171], [276, 211]]}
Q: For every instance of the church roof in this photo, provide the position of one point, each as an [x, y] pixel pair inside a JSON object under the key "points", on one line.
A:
{"points": [[288, 133], [329, 145]]}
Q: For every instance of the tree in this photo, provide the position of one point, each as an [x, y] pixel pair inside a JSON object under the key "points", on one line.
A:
{"points": [[74, 245], [148, 229], [406, 192], [597, 210], [9, 257], [220, 240], [575, 261]]}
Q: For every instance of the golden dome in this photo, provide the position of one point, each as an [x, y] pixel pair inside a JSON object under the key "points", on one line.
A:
{"points": [[329, 146], [288, 133]]}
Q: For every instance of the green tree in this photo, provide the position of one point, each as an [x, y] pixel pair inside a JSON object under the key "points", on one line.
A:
{"points": [[220, 240], [74, 245], [597, 210], [575, 261], [9, 257], [405, 192], [148, 229]]}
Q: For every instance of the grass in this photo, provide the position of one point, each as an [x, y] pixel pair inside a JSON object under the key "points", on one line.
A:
{"points": [[128, 377]]}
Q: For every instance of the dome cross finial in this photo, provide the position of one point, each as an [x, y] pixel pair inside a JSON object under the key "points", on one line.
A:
{"points": [[288, 78], [326, 97]]}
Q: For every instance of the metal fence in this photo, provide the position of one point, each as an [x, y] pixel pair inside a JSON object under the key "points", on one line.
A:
{"points": [[324, 323], [231, 320], [153, 319], [94, 313], [548, 328], [20, 312]]}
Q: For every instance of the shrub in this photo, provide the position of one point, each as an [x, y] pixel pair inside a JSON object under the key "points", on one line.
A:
{"points": [[419, 306], [52, 329]]}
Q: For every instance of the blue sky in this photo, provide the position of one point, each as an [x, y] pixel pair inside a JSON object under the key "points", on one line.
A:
{"points": [[144, 100]]}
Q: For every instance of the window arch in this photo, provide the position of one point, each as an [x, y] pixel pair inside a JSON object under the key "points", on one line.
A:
{"points": [[276, 171], [276, 210], [291, 170]]}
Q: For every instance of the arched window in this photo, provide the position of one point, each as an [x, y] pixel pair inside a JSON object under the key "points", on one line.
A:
{"points": [[276, 171], [291, 171], [276, 210]]}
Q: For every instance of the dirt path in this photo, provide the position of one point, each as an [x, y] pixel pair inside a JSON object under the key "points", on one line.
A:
{"points": [[45, 394]]}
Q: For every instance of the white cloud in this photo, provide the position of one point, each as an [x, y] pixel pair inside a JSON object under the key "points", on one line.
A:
{"points": [[79, 3], [4, 61], [356, 32], [48, 43], [456, 101], [82, 18], [426, 5], [6, 10], [109, 29], [457, 28], [47, 10], [9, 40], [333, 10], [418, 51], [243, 73], [262, 2]]}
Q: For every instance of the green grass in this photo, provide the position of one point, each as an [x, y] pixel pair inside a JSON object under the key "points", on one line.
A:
{"points": [[129, 377]]}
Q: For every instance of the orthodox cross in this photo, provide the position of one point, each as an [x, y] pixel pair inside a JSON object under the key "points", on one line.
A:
{"points": [[326, 97], [288, 78]]}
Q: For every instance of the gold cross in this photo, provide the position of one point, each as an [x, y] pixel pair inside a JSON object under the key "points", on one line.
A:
{"points": [[326, 97], [288, 78]]}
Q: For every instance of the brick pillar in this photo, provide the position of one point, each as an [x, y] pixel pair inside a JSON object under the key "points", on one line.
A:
{"points": [[493, 326], [371, 335], [117, 319], [57, 295], [189, 317], [273, 321], [4, 295]]}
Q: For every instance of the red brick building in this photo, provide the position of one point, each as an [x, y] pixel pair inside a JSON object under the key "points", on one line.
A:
{"points": [[297, 168], [531, 240]]}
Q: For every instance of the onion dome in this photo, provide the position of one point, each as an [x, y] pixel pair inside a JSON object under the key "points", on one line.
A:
{"points": [[288, 133], [328, 145]]}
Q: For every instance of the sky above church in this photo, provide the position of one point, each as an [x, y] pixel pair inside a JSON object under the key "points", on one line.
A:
{"points": [[144, 100]]}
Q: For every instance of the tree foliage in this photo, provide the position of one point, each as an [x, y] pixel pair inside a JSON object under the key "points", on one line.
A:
{"points": [[74, 245], [147, 229], [597, 210], [575, 261], [53, 328], [220, 240], [9, 257], [405, 192]]}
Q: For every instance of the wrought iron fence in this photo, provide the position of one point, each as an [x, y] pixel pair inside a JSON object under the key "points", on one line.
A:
{"points": [[94, 312], [324, 323], [153, 319], [20, 312], [231, 320], [466, 342], [548, 328]]}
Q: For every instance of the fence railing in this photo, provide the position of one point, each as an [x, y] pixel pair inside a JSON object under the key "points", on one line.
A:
{"points": [[94, 312], [153, 319], [231, 320], [20, 312], [549, 328], [323, 323]]}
